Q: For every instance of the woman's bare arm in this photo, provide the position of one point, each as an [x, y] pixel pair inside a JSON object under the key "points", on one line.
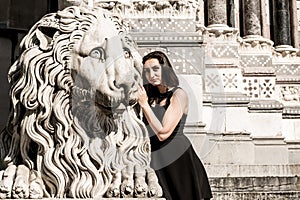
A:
{"points": [[178, 106]]}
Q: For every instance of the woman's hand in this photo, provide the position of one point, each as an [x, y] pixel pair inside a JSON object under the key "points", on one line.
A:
{"points": [[143, 98]]}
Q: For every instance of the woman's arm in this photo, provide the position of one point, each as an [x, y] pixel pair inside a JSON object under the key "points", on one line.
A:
{"points": [[178, 106]]}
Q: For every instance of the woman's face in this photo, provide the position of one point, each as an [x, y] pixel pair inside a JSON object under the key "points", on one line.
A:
{"points": [[152, 71]]}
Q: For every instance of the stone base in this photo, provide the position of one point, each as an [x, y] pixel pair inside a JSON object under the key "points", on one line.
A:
{"points": [[292, 195], [237, 170], [108, 199], [249, 188], [255, 184]]}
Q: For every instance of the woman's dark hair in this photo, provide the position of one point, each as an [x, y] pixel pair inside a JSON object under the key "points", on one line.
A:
{"points": [[169, 78]]}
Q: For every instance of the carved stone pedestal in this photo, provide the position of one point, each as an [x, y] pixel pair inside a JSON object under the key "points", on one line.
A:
{"points": [[109, 199]]}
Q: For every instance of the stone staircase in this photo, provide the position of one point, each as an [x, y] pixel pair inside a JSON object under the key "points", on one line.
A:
{"points": [[239, 167], [280, 195], [254, 182], [267, 187]]}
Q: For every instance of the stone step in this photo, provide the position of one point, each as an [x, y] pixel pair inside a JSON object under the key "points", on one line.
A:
{"points": [[259, 188], [242, 170], [280, 195], [104, 198], [255, 184]]}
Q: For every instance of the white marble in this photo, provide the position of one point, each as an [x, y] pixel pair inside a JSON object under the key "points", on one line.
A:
{"points": [[192, 84]]}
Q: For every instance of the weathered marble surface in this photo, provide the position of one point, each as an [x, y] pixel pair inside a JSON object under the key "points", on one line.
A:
{"points": [[72, 130], [217, 13], [252, 17], [281, 18]]}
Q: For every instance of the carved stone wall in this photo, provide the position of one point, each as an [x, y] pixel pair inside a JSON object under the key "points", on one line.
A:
{"points": [[245, 120]]}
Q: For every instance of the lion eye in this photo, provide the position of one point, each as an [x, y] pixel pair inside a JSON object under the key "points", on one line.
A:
{"points": [[98, 53], [127, 53]]}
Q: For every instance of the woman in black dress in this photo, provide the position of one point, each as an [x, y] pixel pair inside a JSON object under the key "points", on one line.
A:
{"points": [[181, 174]]}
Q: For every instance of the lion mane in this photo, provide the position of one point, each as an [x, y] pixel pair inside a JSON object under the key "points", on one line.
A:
{"points": [[65, 137]]}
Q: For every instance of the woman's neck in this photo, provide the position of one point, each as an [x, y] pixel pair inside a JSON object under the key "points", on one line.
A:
{"points": [[163, 89]]}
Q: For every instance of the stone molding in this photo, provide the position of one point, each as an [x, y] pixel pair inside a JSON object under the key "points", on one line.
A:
{"points": [[226, 99], [143, 9], [168, 39], [286, 51], [291, 112], [194, 128], [268, 140], [287, 80], [230, 136], [265, 106], [253, 43], [218, 32], [259, 71]]}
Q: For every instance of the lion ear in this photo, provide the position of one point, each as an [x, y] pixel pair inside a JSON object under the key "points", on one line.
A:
{"points": [[45, 36]]}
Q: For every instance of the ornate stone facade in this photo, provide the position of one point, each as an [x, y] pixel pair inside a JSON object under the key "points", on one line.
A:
{"points": [[248, 96], [240, 63]]}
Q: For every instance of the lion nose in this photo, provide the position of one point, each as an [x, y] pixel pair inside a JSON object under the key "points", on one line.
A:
{"points": [[127, 82]]}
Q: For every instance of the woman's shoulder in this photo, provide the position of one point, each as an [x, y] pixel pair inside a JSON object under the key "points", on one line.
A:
{"points": [[179, 91], [182, 98]]}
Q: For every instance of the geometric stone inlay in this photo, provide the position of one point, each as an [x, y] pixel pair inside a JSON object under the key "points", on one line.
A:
{"points": [[161, 25], [223, 80], [212, 81], [255, 60], [290, 69], [230, 80], [224, 51], [184, 60], [251, 87], [263, 88], [267, 87], [187, 60]]}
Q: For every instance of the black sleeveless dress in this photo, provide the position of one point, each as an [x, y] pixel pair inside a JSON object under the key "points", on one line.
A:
{"points": [[181, 174]]}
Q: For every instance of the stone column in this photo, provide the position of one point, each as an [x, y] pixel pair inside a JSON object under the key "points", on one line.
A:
{"points": [[233, 10], [282, 25], [252, 17], [65, 3], [200, 12], [265, 18], [217, 12], [294, 23], [236, 11]]}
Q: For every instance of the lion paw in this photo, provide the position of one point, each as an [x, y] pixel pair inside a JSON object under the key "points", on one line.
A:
{"points": [[155, 190], [36, 186], [127, 188], [140, 188], [20, 188], [7, 182], [17, 182], [113, 192]]}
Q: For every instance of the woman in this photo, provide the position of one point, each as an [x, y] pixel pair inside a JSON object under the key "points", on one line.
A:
{"points": [[165, 107]]}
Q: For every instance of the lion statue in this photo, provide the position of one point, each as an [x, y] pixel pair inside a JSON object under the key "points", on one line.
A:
{"points": [[73, 131]]}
